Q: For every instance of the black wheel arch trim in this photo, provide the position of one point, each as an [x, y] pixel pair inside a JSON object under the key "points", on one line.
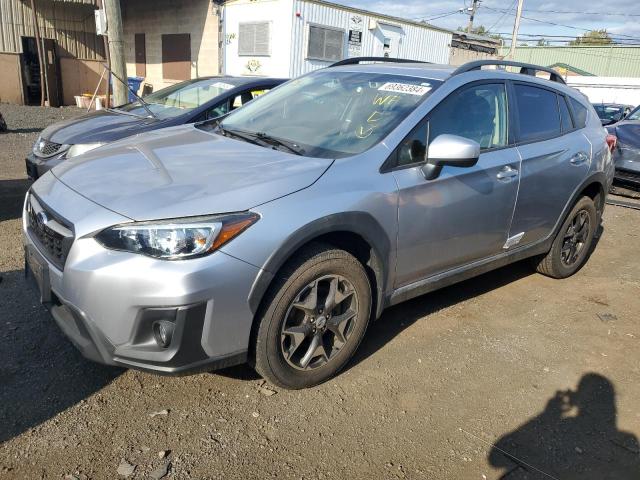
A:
{"points": [[599, 178], [359, 223]]}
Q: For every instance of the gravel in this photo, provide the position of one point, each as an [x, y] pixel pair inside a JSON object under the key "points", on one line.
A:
{"points": [[538, 367]]}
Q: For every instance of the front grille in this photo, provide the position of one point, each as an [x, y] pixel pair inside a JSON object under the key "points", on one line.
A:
{"points": [[46, 148], [51, 234]]}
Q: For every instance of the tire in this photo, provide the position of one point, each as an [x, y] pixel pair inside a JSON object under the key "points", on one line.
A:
{"points": [[561, 261], [291, 321]]}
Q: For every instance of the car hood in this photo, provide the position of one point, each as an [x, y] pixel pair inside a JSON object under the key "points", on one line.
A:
{"points": [[102, 126], [183, 171]]}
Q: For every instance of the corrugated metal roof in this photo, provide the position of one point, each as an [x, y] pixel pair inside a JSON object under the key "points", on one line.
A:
{"points": [[603, 61], [72, 26]]}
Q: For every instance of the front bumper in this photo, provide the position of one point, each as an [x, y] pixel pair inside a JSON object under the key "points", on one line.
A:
{"points": [[106, 302], [37, 167]]}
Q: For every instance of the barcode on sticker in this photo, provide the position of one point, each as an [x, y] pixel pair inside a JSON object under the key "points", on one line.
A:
{"points": [[405, 88]]}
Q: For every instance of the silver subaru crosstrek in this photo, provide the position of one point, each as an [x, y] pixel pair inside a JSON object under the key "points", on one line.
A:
{"points": [[275, 235]]}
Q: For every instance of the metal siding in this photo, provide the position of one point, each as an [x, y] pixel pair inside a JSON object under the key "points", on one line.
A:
{"points": [[419, 43], [608, 61], [69, 22]]}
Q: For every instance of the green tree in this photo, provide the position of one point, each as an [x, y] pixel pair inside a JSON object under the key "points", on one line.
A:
{"points": [[542, 43], [593, 37]]}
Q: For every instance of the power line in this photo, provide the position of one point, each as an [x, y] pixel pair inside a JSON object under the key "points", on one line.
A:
{"points": [[600, 14], [437, 15], [554, 24], [513, 4], [442, 16]]}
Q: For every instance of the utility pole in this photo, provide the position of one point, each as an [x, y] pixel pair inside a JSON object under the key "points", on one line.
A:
{"points": [[116, 49], [474, 9], [516, 26]]}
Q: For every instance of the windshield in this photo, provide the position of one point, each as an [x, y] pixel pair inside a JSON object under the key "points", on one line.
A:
{"points": [[332, 113], [609, 112], [635, 115], [180, 98]]}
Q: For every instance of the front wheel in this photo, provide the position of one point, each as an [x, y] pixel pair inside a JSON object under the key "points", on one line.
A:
{"points": [[314, 318], [573, 243]]}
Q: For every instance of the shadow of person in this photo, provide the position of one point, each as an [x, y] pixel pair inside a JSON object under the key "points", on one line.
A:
{"points": [[575, 437]]}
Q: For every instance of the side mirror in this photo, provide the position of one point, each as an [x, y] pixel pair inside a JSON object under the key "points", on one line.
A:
{"points": [[450, 150]]}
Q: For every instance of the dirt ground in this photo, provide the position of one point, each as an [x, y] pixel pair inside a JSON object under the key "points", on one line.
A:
{"points": [[510, 375]]}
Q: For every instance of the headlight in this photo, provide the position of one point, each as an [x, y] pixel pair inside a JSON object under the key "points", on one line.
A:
{"points": [[80, 148], [176, 239]]}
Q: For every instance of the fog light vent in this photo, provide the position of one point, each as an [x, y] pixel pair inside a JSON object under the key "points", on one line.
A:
{"points": [[163, 332]]}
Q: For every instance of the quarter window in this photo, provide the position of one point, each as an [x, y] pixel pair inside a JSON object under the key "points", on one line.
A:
{"points": [[325, 43], [538, 113], [565, 116], [579, 112], [254, 39]]}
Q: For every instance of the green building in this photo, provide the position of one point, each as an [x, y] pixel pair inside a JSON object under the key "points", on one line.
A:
{"points": [[602, 61]]}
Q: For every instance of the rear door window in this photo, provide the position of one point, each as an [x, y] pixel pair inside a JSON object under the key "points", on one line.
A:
{"points": [[538, 113], [565, 116], [579, 113]]}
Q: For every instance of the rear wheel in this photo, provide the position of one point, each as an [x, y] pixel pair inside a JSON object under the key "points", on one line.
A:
{"points": [[314, 318], [573, 243]]}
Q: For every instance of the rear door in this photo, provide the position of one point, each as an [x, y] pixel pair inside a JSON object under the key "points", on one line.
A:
{"points": [[555, 159], [464, 214]]}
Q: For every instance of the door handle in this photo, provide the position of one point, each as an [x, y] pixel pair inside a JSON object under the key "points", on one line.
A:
{"points": [[579, 158], [507, 173]]}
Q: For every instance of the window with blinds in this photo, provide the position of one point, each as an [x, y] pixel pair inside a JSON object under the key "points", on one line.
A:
{"points": [[325, 43], [253, 39]]}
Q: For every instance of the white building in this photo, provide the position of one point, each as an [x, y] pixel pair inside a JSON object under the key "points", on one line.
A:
{"points": [[286, 38]]}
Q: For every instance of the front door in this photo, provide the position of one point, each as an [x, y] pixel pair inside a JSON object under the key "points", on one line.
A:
{"points": [[465, 213], [52, 73], [391, 40]]}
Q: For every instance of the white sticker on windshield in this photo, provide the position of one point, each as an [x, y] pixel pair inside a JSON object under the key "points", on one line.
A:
{"points": [[223, 86], [405, 88]]}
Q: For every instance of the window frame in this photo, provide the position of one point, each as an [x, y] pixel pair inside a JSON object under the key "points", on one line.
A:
{"points": [[574, 116], [253, 53], [516, 115], [325, 27], [563, 98], [391, 162]]}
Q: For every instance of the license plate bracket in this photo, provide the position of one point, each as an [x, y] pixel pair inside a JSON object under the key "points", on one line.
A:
{"points": [[36, 268]]}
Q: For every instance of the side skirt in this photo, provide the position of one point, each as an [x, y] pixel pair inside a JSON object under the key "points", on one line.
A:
{"points": [[470, 270]]}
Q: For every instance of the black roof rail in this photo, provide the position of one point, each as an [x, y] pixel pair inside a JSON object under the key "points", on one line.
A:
{"points": [[525, 68], [357, 60]]}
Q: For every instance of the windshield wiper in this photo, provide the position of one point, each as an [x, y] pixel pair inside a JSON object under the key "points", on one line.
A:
{"points": [[144, 104], [122, 112], [292, 147], [238, 134]]}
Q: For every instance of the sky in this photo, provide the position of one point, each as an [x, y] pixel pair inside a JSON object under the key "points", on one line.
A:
{"points": [[619, 17]]}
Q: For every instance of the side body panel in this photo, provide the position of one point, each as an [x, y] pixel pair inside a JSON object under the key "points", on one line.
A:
{"points": [[461, 216], [551, 171]]}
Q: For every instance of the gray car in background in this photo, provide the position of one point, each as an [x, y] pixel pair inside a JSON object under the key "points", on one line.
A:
{"points": [[275, 235], [626, 154]]}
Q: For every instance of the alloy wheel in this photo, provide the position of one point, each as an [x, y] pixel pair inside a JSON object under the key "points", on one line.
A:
{"points": [[319, 322], [575, 238]]}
